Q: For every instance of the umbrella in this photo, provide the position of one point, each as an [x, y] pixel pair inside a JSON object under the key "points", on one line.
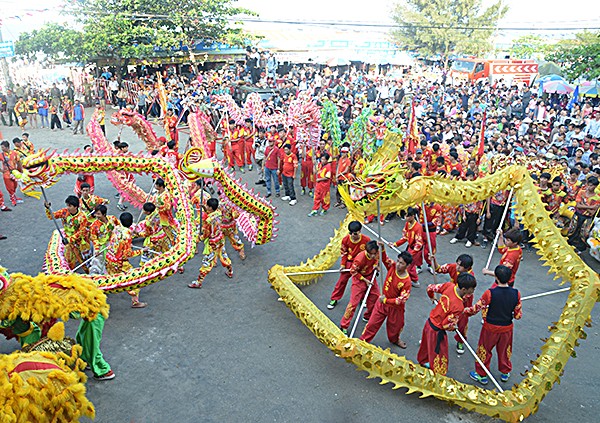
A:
{"points": [[590, 91], [551, 77], [401, 59], [560, 87], [337, 61], [549, 69]]}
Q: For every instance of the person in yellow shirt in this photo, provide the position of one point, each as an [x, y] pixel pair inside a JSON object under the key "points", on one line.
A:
{"points": [[101, 117]]}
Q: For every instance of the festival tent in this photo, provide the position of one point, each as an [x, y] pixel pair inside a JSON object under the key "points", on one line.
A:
{"points": [[560, 87]]}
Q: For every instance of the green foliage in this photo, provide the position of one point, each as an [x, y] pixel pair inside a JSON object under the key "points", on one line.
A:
{"points": [[579, 56], [123, 29], [446, 26], [54, 40], [527, 46]]}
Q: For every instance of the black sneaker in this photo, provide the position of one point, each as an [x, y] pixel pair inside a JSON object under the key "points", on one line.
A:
{"points": [[332, 304]]}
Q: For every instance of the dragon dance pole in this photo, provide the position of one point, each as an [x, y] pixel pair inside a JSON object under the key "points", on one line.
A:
{"points": [[363, 304], [379, 239], [543, 294], [487, 266], [428, 239], [147, 198], [62, 237], [389, 244], [317, 272]]}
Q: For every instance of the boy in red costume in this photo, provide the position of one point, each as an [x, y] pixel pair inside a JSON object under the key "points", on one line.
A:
{"points": [[413, 236], [390, 306], [352, 244], [508, 246], [433, 212], [433, 352], [323, 186], [503, 304], [464, 264], [307, 171], [362, 271]]}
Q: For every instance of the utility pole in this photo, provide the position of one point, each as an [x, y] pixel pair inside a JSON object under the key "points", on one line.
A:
{"points": [[4, 66]]}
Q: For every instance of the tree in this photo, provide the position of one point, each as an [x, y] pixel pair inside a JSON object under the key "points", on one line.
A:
{"points": [[527, 46], [54, 40], [446, 26], [579, 56], [126, 29]]}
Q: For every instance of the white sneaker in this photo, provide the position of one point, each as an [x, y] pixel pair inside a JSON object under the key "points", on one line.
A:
{"points": [[430, 269], [468, 244], [286, 198], [453, 241], [293, 202], [419, 270]]}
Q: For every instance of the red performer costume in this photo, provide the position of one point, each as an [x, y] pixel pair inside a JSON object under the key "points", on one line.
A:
{"points": [[9, 161], [238, 137], [413, 236], [433, 352], [464, 263], [362, 271], [307, 173], [434, 222], [390, 306], [503, 304], [323, 186], [249, 146], [352, 244], [171, 123]]}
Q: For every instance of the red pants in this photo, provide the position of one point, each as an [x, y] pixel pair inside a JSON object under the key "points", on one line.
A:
{"points": [[11, 187], [227, 153], [212, 147], [249, 151], [417, 261], [340, 285], [463, 320], [237, 149], [503, 343], [357, 292], [2, 200], [394, 325], [307, 176], [433, 239], [438, 362], [322, 196]]}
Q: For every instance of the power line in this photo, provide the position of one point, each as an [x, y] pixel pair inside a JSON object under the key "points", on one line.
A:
{"points": [[358, 24]]}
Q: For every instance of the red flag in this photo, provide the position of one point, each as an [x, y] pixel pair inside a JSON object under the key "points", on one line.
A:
{"points": [[413, 133], [480, 148]]}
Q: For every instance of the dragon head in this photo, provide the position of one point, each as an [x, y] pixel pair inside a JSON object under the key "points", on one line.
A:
{"points": [[122, 117], [194, 166], [375, 182], [37, 171]]}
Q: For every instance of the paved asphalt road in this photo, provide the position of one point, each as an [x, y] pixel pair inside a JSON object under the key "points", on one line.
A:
{"points": [[230, 352]]}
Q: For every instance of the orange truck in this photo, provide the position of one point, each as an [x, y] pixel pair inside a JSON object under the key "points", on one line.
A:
{"points": [[509, 71]]}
